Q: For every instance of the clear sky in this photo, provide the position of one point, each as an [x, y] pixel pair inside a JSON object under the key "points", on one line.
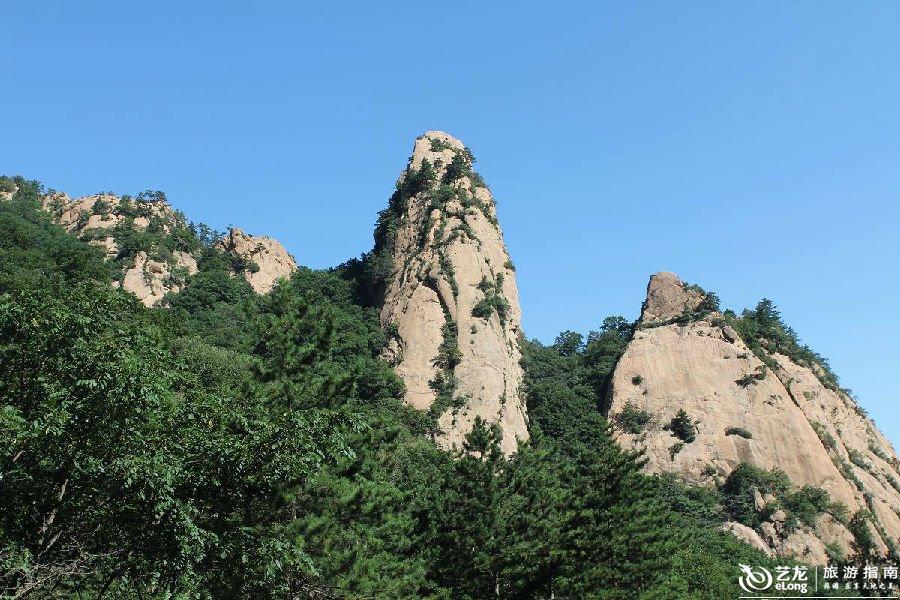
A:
{"points": [[753, 148]]}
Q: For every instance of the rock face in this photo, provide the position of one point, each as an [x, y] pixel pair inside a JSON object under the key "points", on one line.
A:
{"points": [[451, 300], [7, 189], [745, 412], [151, 280], [748, 535], [264, 260], [103, 219]]}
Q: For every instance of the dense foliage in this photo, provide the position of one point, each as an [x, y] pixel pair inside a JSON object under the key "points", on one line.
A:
{"points": [[765, 333], [235, 446], [33, 252]]}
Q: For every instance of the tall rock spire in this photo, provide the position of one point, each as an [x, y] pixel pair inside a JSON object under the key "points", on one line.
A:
{"points": [[450, 297]]}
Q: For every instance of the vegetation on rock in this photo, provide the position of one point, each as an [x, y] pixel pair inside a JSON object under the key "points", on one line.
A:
{"points": [[765, 333], [632, 420], [683, 427], [493, 300], [739, 431]]}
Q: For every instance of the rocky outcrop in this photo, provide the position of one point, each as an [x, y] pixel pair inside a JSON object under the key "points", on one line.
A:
{"points": [[748, 535], [103, 219], [90, 216], [262, 260], [740, 410], [8, 188], [79, 217], [668, 298], [865, 458], [693, 368], [451, 301], [150, 280]]}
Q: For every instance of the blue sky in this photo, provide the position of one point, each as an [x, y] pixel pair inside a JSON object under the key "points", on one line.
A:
{"points": [[753, 148]]}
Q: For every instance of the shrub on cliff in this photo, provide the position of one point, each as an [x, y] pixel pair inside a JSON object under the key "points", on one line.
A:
{"points": [[632, 420], [683, 427]]}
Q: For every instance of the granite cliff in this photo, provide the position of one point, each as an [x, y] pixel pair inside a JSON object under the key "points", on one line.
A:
{"points": [[450, 299], [710, 400]]}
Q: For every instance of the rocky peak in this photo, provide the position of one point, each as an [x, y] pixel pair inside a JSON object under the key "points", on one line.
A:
{"points": [[434, 146], [107, 220], [261, 260], [450, 300], [709, 401], [668, 298]]}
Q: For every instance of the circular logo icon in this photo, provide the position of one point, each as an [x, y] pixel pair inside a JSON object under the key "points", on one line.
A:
{"points": [[754, 579]]}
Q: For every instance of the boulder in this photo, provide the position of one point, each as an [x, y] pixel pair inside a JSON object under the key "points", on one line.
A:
{"points": [[668, 298], [803, 545]]}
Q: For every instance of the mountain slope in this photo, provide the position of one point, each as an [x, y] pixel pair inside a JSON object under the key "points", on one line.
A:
{"points": [[704, 392]]}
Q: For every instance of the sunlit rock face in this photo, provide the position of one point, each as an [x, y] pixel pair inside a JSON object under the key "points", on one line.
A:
{"points": [[451, 300], [101, 219], [794, 422], [265, 259], [97, 220]]}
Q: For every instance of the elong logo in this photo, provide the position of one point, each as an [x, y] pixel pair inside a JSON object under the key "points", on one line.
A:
{"points": [[754, 579]]}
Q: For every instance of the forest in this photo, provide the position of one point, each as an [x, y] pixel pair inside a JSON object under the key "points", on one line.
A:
{"points": [[232, 445]]}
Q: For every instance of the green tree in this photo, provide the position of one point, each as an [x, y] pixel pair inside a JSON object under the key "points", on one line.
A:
{"points": [[617, 535], [569, 343], [92, 480], [739, 487], [34, 252], [683, 427], [602, 352], [215, 305], [529, 520]]}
